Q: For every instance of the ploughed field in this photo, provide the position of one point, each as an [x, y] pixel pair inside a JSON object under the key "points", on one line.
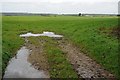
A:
{"points": [[96, 37]]}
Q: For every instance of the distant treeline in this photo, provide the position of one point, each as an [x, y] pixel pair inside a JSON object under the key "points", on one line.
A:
{"points": [[24, 14], [44, 14]]}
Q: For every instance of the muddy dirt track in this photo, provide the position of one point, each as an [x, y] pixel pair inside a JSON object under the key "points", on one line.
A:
{"points": [[37, 58], [82, 64]]}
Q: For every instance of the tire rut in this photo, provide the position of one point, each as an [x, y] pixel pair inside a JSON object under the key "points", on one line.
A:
{"points": [[37, 58], [84, 65]]}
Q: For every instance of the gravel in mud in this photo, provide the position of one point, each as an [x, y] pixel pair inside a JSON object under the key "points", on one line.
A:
{"points": [[84, 65]]}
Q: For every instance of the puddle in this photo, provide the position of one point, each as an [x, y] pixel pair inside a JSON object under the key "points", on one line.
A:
{"points": [[19, 67], [49, 34]]}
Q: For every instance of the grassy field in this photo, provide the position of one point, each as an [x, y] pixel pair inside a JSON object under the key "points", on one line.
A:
{"points": [[93, 35], [0, 46]]}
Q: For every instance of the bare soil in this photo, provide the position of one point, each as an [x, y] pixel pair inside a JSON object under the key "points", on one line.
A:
{"points": [[37, 58], [84, 65], [116, 32], [111, 31]]}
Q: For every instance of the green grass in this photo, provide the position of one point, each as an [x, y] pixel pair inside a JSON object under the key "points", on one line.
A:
{"points": [[82, 31], [59, 66], [0, 47]]}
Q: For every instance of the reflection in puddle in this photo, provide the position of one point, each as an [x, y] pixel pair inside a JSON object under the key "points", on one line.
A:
{"points": [[19, 67], [49, 34]]}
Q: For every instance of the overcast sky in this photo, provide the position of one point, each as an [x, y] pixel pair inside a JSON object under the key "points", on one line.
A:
{"points": [[60, 6]]}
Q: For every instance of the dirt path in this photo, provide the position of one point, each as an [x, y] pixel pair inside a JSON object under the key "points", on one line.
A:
{"points": [[84, 66], [37, 57]]}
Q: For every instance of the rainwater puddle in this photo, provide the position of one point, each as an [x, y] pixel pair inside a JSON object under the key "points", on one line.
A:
{"points": [[19, 67], [49, 34]]}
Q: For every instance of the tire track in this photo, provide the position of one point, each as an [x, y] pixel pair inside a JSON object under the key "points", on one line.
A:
{"points": [[84, 65]]}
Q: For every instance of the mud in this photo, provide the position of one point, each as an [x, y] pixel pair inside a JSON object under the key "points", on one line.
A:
{"points": [[84, 65], [37, 57], [19, 67]]}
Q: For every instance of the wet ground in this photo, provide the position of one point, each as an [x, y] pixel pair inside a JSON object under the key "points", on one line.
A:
{"points": [[84, 65], [29, 62], [38, 66], [19, 67]]}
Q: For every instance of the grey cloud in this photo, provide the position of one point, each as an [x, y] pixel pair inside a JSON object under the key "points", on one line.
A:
{"points": [[62, 7]]}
